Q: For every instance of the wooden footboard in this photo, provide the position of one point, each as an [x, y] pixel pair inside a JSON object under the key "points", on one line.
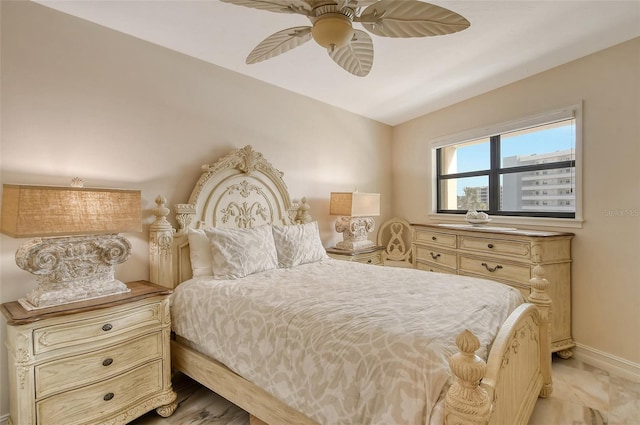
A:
{"points": [[514, 375], [518, 370]]}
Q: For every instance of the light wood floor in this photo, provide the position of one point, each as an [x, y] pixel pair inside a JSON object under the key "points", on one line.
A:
{"points": [[582, 395]]}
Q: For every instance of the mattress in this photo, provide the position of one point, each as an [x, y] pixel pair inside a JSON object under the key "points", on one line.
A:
{"points": [[343, 342]]}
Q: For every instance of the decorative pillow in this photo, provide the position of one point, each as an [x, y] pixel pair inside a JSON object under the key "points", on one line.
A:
{"points": [[298, 244], [200, 253], [241, 252]]}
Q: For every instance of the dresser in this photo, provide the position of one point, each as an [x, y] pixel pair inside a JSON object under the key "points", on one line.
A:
{"points": [[371, 255], [506, 256], [100, 361]]}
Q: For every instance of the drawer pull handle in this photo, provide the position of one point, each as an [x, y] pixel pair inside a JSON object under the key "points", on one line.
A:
{"points": [[434, 256], [369, 261], [108, 396], [491, 269], [433, 238], [490, 245], [107, 362], [107, 327]]}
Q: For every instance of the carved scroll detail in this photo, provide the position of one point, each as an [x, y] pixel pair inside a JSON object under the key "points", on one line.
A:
{"points": [[247, 160], [244, 214], [184, 216], [73, 258]]}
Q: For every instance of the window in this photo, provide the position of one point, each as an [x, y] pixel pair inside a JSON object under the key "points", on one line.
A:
{"points": [[502, 173]]}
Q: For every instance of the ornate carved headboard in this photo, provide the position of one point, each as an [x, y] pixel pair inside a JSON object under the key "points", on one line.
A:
{"points": [[240, 190]]}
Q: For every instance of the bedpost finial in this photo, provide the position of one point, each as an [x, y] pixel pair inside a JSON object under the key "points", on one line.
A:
{"points": [[467, 342], [161, 211], [302, 212], [465, 365], [539, 286], [466, 402]]}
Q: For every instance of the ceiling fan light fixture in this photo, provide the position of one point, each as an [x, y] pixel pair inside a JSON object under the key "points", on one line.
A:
{"points": [[332, 31]]}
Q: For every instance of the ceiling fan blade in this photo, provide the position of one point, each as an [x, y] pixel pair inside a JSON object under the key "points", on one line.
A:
{"points": [[363, 3], [280, 6], [410, 18], [278, 43], [357, 56]]}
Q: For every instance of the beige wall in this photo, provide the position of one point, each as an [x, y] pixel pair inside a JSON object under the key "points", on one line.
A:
{"points": [[81, 100], [606, 268]]}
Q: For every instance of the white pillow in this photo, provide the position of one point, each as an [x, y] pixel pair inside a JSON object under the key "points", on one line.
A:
{"points": [[241, 252], [200, 253], [298, 244]]}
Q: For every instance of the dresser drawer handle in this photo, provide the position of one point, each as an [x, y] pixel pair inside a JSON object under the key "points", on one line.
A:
{"points": [[107, 362], [434, 256], [107, 327], [108, 396], [490, 245], [491, 269], [369, 261], [433, 238]]}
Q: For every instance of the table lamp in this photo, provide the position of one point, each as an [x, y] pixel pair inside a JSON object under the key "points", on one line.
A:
{"points": [[77, 244], [355, 223]]}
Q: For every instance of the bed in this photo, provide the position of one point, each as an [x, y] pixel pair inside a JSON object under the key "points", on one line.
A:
{"points": [[310, 340]]}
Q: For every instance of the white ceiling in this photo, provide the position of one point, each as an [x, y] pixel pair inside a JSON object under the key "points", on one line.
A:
{"points": [[507, 41]]}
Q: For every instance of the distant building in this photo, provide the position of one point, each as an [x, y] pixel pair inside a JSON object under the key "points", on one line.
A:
{"points": [[545, 190], [542, 190]]}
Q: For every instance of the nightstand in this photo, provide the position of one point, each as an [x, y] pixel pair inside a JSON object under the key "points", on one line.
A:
{"points": [[371, 255], [97, 361]]}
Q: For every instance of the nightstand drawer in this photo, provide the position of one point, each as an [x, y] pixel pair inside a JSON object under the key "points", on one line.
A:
{"points": [[71, 372], [437, 238], [88, 405], [495, 246], [495, 269], [96, 328], [437, 256], [371, 258]]}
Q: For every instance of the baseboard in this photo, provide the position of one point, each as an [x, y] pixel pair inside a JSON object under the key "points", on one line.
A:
{"points": [[4, 419], [608, 362]]}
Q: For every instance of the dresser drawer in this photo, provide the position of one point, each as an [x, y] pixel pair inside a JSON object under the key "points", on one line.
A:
{"points": [[436, 256], [435, 238], [89, 405], [96, 328], [495, 269], [495, 246], [433, 268], [71, 372]]}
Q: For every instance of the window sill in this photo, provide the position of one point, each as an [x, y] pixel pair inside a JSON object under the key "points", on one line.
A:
{"points": [[544, 222]]}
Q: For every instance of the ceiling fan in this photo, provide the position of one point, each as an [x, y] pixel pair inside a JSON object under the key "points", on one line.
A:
{"points": [[332, 27]]}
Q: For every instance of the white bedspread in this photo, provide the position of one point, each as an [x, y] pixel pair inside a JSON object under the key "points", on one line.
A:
{"points": [[344, 343]]}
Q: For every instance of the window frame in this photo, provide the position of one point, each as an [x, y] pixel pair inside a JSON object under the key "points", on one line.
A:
{"points": [[493, 133]]}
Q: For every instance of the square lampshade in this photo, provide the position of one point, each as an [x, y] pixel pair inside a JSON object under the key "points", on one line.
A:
{"points": [[29, 211], [354, 204]]}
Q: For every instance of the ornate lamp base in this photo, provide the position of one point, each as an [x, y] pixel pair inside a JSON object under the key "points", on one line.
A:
{"points": [[354, 232], [73, 268]]}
